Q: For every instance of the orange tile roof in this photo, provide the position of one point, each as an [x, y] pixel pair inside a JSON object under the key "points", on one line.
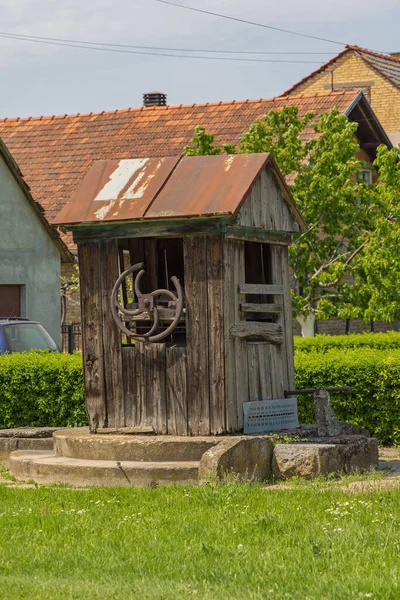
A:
{"points": [[54, 153], [387, 65]]}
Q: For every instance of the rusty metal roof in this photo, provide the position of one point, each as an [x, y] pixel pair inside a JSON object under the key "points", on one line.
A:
{"points": [[162, 188], [117, 190]]}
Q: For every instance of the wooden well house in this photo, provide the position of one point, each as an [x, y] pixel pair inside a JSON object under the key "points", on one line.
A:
{"points": [[185, 290]]}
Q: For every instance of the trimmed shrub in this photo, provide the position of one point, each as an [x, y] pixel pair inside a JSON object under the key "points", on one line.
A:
{"points": [[41, 389], [373, 375], [322, 343]]}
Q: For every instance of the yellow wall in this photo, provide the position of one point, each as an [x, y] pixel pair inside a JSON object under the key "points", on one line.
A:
{"points": [[385, 96]]}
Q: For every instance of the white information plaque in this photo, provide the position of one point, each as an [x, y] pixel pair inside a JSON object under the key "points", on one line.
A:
{"points": [[263, 416]]}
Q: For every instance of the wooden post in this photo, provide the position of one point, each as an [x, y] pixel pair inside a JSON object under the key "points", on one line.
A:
{"points": [[111, 337], [195, 260], [92, 333], [216, 342]]}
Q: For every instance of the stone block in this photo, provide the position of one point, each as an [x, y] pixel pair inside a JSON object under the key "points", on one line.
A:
{"points": [[243, 458], [311, 460]]}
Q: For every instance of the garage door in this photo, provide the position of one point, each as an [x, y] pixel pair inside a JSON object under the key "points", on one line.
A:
{"points": [[10, 300]]}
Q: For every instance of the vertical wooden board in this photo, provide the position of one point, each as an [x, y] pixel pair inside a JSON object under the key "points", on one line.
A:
{"points": [[92, 333], [177, 414], [131, 389], [195, 260], [279, 357], [112, 337], [216, 357], [264, 352], [152, 386], [287, 318], [236, 373]]}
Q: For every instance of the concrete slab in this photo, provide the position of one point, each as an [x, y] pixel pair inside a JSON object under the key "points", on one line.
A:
{"points": [[79, 443], [46, 467]]}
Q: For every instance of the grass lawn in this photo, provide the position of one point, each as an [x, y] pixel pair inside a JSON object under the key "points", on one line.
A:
{"points": [[231, 542]]}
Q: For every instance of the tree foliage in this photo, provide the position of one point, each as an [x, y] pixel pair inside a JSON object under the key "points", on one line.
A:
{"points": [[344, 264]]}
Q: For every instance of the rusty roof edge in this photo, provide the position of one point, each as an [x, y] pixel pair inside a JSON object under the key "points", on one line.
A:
{"points": [[8, 158]]}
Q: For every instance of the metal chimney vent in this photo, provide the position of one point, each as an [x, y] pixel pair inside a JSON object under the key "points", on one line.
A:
{"points": [[154, 99]]}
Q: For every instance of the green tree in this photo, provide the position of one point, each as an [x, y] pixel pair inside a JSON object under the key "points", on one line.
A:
{"points": [[318, 158]]}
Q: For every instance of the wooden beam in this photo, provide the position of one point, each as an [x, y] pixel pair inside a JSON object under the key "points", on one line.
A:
{"points": [[261, 308], [261, 289], [255, 234], [271, 332], [149, 228]]}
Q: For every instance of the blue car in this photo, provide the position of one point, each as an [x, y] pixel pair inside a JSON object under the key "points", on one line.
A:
{"points": [[22, 335]]}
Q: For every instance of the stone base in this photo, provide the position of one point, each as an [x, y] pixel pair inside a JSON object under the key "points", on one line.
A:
{"points": [[83, 459], [25, 438], [343, 454]]}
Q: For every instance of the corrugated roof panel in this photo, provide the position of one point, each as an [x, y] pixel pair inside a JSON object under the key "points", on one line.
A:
{"points": [[207, 185], [116, 190]]}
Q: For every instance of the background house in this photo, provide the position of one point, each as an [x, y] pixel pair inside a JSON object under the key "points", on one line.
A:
{"points": [[56, 152], [31, 252], [377, 75]]}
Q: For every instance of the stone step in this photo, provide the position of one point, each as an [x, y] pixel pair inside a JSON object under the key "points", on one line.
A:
{"points": [[47, 467], [79, 443]]}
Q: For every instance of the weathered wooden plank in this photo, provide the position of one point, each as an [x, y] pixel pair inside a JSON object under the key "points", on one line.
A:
{"points": [[254, 234], [92, 330], [131, 386], [271, 332], [216, 357], [260, 370], [260, 288], [152, 228], [195, 259], [153, 402], [287, 318], [145, 430], [261, 308], [280, 355], [112, 339], [236, 375], [177, 409]]}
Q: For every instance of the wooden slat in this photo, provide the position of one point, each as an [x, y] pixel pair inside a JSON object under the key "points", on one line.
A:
{"points": [[259, 365], [112, 339], [153, 228], [288, 318], [254, 234], [152, 365], [177, 414], [279, 356], [92, 348], [131, 386], [260, 288], [236, 375], [271, 332], [261, 308], [195, 260], [216, 358]]}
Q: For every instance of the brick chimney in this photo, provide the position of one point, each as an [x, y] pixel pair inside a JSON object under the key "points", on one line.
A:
{"points": [[154, 99]]}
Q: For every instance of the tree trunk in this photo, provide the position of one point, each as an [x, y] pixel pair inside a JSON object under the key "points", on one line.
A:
{"points": [[307, 323]]}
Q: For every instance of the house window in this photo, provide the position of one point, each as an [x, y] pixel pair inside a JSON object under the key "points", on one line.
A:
{"points": [[10, 300], [365, 175]]}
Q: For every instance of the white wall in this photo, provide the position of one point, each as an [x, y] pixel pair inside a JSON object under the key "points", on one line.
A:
{"points": [[28, 255]]}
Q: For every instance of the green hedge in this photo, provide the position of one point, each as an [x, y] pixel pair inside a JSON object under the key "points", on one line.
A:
{"points": [[321, 343], [41, 389], [373, 375]]}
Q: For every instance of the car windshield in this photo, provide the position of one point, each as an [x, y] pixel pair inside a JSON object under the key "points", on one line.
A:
{"points": [[23, 337]]}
